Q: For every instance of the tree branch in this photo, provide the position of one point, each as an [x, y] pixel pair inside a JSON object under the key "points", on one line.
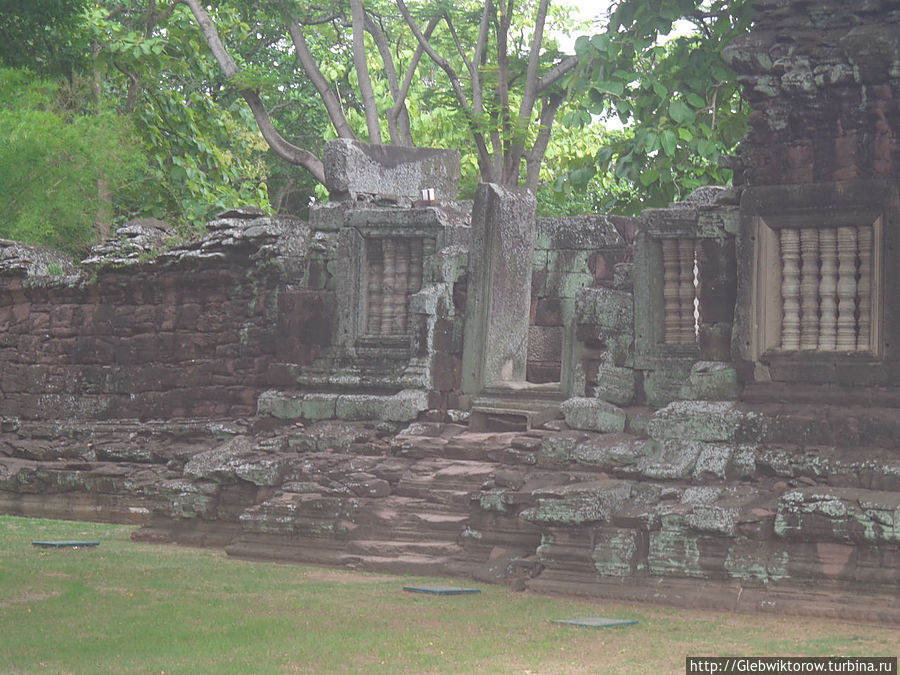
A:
{"points": [[535, 157], [456, 41], [360, 61], [276, 141], [399, 111], [397, 116], [551, 76], [480, 45], [329, 98], [484, 156], [503, 68]]}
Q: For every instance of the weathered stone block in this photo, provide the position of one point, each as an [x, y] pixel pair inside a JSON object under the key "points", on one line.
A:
{"points": [[611, 311], [559, 448], [615, 384], [612, 454], [712, 462], [545, 343], [579, 233], [499, 295], [701, 421], [711, 381], [674, 550], [405, 405], [839, 514], [669, 460], [578, 504], [593, 415], [237, 459], [293, 406], [616, 553], [663, 382], [355, 168]]}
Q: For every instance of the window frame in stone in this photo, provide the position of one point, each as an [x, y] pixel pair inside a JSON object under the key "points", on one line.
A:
{"points": [[769, 211], [700, 230], [354, 241]]}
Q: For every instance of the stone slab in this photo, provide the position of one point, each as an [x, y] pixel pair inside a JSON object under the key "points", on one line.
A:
{"points": [[594, 415], [441, 590], [355, 168], [65, 544], [596, 622], [499, 295]]}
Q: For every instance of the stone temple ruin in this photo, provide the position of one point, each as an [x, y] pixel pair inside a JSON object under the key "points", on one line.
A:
{"points": [[699, 406]]}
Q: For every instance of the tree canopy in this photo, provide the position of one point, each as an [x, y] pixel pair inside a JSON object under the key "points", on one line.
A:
{"points": [[505, 81], [679, 103], [154, 107]]}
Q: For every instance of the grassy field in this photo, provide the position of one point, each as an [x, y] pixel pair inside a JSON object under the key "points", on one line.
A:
{"points": [[134, 608]]}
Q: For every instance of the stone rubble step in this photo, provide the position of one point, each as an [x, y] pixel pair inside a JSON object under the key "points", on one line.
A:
{"points": [[394, 547]]}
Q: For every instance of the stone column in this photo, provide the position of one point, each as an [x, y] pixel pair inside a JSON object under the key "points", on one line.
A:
{"points": [[498, 303]]}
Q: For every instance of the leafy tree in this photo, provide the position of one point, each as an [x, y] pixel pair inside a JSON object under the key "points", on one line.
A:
{"points": [[203, 151], [506, 86], [139, 73], [42, 35], [678, 101], [51, 161]]}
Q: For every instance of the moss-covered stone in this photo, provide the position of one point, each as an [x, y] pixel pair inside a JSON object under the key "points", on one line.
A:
{"points": [[237, 459], [674, 551], [577, 504], [615, 384], [592, 414], [839, 514], [669, 459], [711, 381], [616, 553], [700, 421]]}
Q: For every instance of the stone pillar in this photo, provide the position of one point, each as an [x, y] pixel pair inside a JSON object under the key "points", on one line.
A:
{"points": [[495, 350]]}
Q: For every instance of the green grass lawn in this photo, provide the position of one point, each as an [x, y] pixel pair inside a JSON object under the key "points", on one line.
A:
{"points": [[127, 607]]}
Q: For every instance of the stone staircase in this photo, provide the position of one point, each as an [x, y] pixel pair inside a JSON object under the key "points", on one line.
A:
{"points": [[786, 508]]}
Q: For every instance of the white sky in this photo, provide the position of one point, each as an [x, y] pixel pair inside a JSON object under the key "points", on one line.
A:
{"points": [[587, 10]]}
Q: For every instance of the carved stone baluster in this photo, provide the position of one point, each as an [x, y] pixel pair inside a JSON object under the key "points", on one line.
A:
{"points": [[670, 291], [415, 265], [790, 289], [847, 259], [864, 288], [828, 290], [387, 315], [809, 288], [375, 280], [686, 291], [401, 289]]}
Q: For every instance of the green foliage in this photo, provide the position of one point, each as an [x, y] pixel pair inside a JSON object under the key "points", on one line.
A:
{"points": [[570, 185], [204, 153], [52, 163], [42, 35], [204, 158], [153, 124], [678, 101]]}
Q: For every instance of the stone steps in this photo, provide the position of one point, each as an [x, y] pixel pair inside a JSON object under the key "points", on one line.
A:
{"points": [[611, 515], [393, 548], [801, 424], [394, 406]]}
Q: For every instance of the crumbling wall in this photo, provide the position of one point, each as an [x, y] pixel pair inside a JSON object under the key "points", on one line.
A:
{"points": [[142, 332], [823, 79], [570, 254]]}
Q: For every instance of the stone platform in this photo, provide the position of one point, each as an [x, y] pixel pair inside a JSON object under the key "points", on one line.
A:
{"points": [[761, 515]]}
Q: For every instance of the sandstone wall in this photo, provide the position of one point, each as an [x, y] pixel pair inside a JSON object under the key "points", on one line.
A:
{"points": [[570, 254], [191, 332], [823, 79]]}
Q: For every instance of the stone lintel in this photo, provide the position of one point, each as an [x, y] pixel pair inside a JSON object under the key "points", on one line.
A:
{"points": [[353, 168]]}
